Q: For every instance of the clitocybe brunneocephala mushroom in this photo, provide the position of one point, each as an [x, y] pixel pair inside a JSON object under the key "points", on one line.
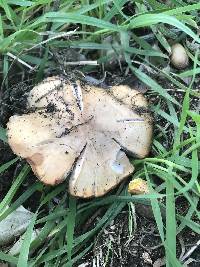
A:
{"points": [[83, 133]]}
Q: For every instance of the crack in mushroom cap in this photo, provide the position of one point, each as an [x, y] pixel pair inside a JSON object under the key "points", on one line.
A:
{"points": [[82, 133]]}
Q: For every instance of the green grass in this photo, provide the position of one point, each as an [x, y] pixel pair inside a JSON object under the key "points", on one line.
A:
{"points": [[23, 33]]}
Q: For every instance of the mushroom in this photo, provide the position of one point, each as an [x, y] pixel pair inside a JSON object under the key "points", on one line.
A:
{"points": [[179, 57], [138, 186], [83, 133]]}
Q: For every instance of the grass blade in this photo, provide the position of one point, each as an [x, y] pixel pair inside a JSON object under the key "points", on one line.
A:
{"points": [[71, 218], [9, 196], [170, 219], [24, 250]]}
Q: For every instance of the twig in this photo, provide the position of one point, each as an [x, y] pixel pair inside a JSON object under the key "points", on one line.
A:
{"points": [[86, 62], [181, 241], [64, 34], [20, 61], [190, 251]]}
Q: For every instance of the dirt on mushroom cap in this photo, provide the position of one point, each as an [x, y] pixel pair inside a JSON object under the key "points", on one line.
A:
{"points": [[82, 132]]}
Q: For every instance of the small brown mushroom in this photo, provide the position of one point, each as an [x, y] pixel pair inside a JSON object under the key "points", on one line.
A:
{"points": [[179, 57], [138, 186], [83, 133]]}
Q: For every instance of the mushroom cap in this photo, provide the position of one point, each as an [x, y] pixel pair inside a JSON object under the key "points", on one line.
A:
{"points": [[83, 133], [138, 186], [179, 57]]}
